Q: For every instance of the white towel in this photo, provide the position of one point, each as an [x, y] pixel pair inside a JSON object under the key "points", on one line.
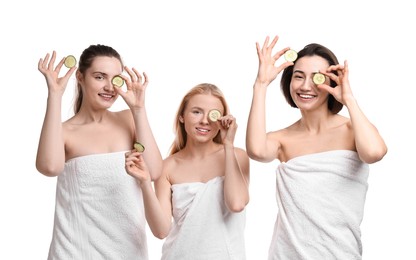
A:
{"points": [[99, 211], [203, 227], [321, 202]]}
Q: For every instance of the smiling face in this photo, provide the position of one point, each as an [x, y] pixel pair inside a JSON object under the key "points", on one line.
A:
{"points": [[197, 125], [303, 90], [96, 83]]}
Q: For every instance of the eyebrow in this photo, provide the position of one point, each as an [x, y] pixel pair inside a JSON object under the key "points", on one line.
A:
{"points": [[298, 71], [100, 72]]}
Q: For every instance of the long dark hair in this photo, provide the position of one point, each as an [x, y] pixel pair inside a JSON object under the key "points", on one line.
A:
{"points": [[85, 61], [311, 50]]}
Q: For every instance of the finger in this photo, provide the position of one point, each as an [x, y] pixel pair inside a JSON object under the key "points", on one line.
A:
{"points": [[43, 62], [52, 61], [138, 76], [146, 78], [131, 74], [266, 42], [273, 43], [280, 53]]}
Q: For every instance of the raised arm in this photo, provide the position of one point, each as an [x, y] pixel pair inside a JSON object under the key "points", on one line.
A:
{"points": [[257, 144], [135, 99], [368, 141], [50, 159], [237, 167]]}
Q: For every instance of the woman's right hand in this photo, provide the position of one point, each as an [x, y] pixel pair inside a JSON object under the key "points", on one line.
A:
{"points": [[267, 71], [51, 73]]}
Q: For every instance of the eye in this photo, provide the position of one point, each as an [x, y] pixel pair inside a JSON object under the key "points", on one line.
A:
{"points": [[196, 112], [99, 77]]}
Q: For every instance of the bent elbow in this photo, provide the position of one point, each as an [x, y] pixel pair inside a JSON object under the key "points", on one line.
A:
{"points": [[49, 170], [258, 156], [237, 207], [374, 155], [160, 234]]}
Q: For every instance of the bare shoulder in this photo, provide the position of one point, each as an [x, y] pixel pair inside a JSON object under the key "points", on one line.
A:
{"points": [[240, 152], [170, 166]]}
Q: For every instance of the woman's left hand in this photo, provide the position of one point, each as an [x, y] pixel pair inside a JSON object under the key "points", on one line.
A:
{"points": [[342, 91], [228, 128], [136, 86]]}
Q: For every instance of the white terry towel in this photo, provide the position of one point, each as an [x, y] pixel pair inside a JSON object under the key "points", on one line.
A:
{"points": [[99, 211], [321, 202], [203, 227]]}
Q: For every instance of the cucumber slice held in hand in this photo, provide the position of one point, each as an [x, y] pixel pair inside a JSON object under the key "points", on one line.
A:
{"points": [[117, 81], [70, 61], [291, 55], [214, 114], [139, 147], [318, 78]]}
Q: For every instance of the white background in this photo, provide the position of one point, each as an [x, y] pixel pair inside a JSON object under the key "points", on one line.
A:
{"points": [[183, 43]]}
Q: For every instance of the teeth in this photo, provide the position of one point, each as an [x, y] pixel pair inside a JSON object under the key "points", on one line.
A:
{"points": [[107, 96], [202, 130], [306, 96]]}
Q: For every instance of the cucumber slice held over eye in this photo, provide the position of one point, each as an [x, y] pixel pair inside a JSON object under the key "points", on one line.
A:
{"points": [[117, 81], [70, 61], [214, 114], [291, 55], [318, 78], [139, 147]]}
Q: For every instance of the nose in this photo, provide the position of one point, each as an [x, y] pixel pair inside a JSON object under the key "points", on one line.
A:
{"points": [[109, 86], [204, 119], [307, 84]]}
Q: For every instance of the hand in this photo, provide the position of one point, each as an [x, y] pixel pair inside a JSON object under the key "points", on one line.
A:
{"points": [[136, 86], [342, 91], [136, 167], [267, 71], [54, 82], [228, 128]]}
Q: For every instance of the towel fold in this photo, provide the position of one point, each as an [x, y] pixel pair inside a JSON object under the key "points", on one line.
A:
{"points": [[99, 211], [203, 227], [321, 200]]}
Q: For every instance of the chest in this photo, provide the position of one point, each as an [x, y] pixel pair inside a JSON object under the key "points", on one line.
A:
{"points": [[297, 144], [96, 139], [197, 170]]}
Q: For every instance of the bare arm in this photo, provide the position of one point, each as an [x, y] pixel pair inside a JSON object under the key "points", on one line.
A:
{"points": [[159, 220], [258, 146], [237, 168], [135, 99], [369, 143], [50, 159]]}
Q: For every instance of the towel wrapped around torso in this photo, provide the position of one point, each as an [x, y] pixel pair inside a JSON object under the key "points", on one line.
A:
{"points": [[203, 227], [321, 200], [99, 211]]}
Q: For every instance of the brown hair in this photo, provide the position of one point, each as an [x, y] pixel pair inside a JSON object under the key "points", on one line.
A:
{"points": [[85, 61], [311, 50], [179, 128]]}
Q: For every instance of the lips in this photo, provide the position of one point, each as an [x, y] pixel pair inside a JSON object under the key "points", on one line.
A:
{"points": [[106, 96], [202, 130], [306, 96]]}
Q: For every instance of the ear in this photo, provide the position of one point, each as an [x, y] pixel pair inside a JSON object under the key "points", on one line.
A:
{"points": [[78, 76], [181, 119]]}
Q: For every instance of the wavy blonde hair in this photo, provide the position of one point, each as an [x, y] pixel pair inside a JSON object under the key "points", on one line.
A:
{"points": [[179, 128]]}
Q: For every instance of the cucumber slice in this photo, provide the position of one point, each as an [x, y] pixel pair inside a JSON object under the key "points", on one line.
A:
{"points": [[139, 147], [318, 78], [291, 55], [117, 81], [70, 61], [214, 114]]}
